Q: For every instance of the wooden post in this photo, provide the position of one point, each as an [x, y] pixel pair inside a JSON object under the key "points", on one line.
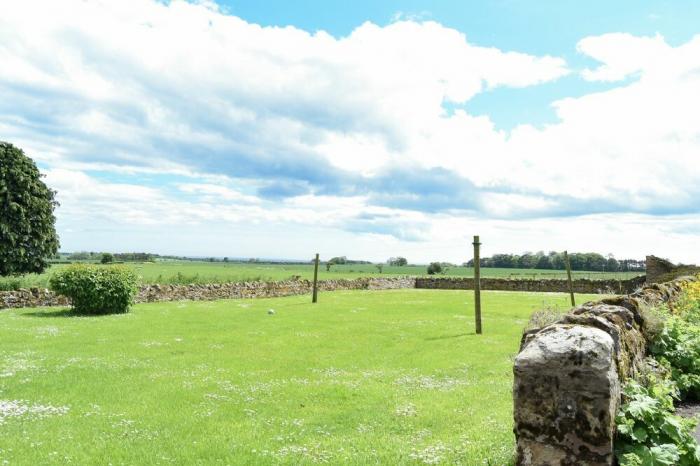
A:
{"points": [[315, 293], [567, 264], [477, 285]]}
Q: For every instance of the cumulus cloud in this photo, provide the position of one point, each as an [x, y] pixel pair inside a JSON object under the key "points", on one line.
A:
{"points": [[281, 125], [622, 55], [152, 84]]}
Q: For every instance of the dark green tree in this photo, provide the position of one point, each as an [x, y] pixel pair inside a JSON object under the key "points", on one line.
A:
{"points": [[434, 268], [27, 222], [107, 258], [397, 261]]}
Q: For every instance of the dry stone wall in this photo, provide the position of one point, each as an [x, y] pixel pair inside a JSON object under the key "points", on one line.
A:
{"points": [[546, 286], [152, 293], [34, 297], [568, 375], [37, 297], [661, 270]]}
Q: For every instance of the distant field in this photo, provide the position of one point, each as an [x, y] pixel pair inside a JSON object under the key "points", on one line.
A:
{"points": [[168, 272], [363, 377]]}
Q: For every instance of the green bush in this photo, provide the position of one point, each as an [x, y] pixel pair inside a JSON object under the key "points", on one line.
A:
{"points": [[434, 268], [677, 348], [648, 433], [96, 290]]}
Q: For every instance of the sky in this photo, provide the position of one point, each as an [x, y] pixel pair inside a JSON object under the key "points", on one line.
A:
{"points": [[366, 129]]}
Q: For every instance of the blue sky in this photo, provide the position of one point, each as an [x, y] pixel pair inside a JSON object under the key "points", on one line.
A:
{"points": [[365, 129]]}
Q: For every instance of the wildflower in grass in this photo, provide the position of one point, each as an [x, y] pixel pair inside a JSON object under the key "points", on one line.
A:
{"points": [[24, 409], [429, 382], [432, 454], [408, 410]]}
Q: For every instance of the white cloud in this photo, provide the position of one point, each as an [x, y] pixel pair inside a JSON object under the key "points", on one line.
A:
{"points": [[214, 192], [188, 74], [622, 55]]}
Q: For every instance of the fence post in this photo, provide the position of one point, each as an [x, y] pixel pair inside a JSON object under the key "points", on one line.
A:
{"points": [[477, 284], [567, 264], [315, 292]]}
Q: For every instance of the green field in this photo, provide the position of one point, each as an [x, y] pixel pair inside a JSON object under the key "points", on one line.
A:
{"points": [[363, 377], [183, 272]]}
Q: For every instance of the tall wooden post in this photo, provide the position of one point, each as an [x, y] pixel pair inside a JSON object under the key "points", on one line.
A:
{"points": [[315, 293], [567, 264], [477, 284]]}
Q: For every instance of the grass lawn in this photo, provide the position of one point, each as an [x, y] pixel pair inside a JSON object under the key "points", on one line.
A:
{"points": [[219, 272], [363, 377]]}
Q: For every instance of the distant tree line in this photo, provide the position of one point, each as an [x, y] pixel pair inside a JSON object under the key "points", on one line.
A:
{"points": [[343, 260], [589, 261], [397, 261], [117, 257]]}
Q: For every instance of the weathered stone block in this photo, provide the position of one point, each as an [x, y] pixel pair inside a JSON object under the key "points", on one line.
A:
{"points": [[566, 395]]}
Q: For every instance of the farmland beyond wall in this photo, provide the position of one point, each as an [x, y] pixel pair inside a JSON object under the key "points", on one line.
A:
{"points": [[36, 297]]}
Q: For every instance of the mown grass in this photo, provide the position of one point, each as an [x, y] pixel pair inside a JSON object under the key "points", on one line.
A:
{"points": [[184, 272], [363, 377]]}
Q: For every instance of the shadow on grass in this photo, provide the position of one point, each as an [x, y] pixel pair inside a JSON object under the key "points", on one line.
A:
{"points": [[54, 313], [446, 337]]}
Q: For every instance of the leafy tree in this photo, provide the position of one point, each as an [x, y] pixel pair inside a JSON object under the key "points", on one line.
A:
{"points": [[543, 262], [380, 267], [528, 261], [434, 268], [27, 222], [397, 261], [107, 258]]}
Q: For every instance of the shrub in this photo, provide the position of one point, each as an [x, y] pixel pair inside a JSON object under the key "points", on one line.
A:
{"points": [[678, 348], [434, 267], [96, 290], [647, 431]]}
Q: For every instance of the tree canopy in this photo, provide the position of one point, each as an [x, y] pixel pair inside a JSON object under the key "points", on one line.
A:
{"points": [[397, 261], [555, 260], [27, 222]]}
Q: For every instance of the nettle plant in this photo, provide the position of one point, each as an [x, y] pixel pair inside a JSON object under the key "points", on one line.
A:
{"points": [[677, 348], [648, 433], [96, 289]]}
